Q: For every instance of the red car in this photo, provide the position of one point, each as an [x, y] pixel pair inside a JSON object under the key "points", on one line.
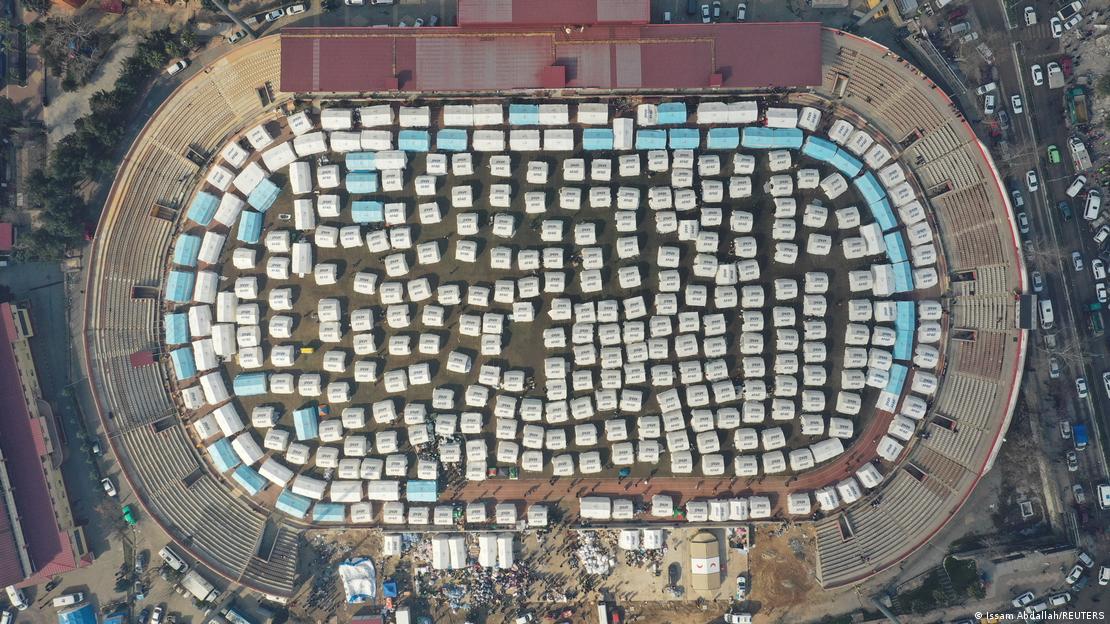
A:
{"points": [[956, 14], [1065, 66]]}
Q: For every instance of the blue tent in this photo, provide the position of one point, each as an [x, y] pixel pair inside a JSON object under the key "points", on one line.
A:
{"points": [[869, 188], [846, 163], [722, 138], [895, 247], [293, 504], [685, 138], [905, 324], [903, 277], [329, 512], [80, 614], [819, 149], [250, 227], [249, 384], [524, 114], [651, 139], [117, 618], [883, 214], [186, 249], [414, 141], [597, 139], [360, 161], [184, 366], [223, 456], [671, 113], [755, 137], [362, 182], [452, 140], [179, 286], [367, 211], [897, 379], [249, 479], [203, 207], [787, 138], [264, 195], [421, 491], [177, 328], [305, 423]]}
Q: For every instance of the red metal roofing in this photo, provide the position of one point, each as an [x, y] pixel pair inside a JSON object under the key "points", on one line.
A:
{"points": [[749, 55], [47, 546], [7, 237], [142, 358], [548, 13]]}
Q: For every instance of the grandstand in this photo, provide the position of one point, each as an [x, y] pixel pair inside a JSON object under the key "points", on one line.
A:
{"points": [[869, 88]]}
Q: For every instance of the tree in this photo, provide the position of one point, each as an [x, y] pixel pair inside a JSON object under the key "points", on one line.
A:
{"points": [[42, 7], [10, 115]]}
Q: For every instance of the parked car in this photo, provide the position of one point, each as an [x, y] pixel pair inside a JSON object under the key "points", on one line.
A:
{"points": [[742, 12], [1038, 281], [1038, 75], [177, 66], [1086, 560], [1072, 461], [1080, 499], [741, 587], [1092, 205], [1032, 182], [1076, 186], [1100, 289], [109, 487], [354, 2], [1074, 574], [988, 104], [236, 36], [1077, 260], [156, 615], [1057, 25], [1054, 154], [1016, 105], [1073, 21], [1016, 198], [1065, 429], [1098, 268], [1022, 600], [129, 515], [274, 15], [1023, 222], [295, 9], [1081, 387], [1054, 371], [716, 10], [705, 14], [1065, 210], [1104, 575]]}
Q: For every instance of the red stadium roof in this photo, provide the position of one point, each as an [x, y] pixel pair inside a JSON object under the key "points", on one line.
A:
{"points": [[731, 56], [548, 13], [23, 446]]}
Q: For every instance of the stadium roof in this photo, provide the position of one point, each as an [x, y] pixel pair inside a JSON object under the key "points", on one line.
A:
{"points": [[734, 56], [545, 12]]}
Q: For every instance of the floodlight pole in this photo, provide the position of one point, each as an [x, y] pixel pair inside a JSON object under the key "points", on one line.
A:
{"points": [[235, 18]]}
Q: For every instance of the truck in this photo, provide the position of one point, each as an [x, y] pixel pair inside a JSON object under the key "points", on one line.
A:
{"points": [[1076, 101], [1079, 154], [1079, 436], [602, 612], [1055, 76]]}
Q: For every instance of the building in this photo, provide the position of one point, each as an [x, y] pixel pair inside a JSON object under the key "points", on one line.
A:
{"points": [[38, 537], [705, 562]]}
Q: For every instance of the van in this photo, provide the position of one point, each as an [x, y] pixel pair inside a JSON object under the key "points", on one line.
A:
{"points": [[17, 598], [1094, 203], [1076, 185], [173, 559], [1102, 233], [1104, 496], [66, 600], [6, 617], [1047, 318]]}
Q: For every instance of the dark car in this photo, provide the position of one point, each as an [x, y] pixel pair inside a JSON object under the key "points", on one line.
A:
{"points": [[692, 7], [1066, 66], [1065, 210], [144, 616], [142, 558]]}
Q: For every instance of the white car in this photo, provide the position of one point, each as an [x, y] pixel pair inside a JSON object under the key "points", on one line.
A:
{"points": [[177, 67], [1074, 575], [1077, 260], [1100, 292], [742, 11], [1038, 281], [275, 15], [109, 487], [1030, 16], [705, 17], [1031, 181], [1073, 21], [1081, 387], [1016, 105], [1023, 222], [988, 104], [1038, 75], [1086, 560], [236, 36], [296, 9], [1076, 186], [1098, 268], [1104, 575], [1057, 25], [1022, 600]]}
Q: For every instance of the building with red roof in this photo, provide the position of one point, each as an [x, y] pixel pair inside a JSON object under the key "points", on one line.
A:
{"points": [[38, 537], [545, 12]]}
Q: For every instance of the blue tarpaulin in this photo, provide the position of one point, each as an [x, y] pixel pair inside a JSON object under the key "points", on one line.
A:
{"points": [[293, 504], [203, 207], [250, 227], [651, 139], [223, 456], [249, 479], [329, 512], [685, 138], [177, 328], [903, 277], [672, 113], [897, 379], [367, 212], [524, 114], [186, 249], [895, 247], [362, 182], [722, 138], [249, 384], [846, 163], [184, 365], [819, 149], [421, 491], [414, 141], [360, 161], [451, 140], [80, 614], [264, 195], [597, 139], [179, 286], [305, 423]]}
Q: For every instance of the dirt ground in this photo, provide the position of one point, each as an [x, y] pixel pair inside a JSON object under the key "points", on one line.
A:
{"points": [[782, 570]]}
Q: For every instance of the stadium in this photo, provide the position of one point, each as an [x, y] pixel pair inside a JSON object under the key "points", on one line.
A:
{"points": [[763, 271]]}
